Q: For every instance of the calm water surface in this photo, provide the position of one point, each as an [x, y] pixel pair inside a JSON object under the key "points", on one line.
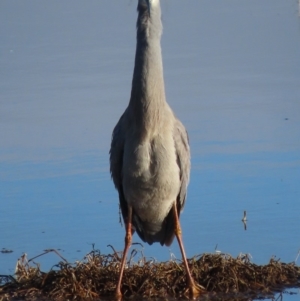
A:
{"points": [[232, 74]]}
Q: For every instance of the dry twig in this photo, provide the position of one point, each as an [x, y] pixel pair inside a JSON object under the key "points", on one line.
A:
{"points": [[96, 276]]}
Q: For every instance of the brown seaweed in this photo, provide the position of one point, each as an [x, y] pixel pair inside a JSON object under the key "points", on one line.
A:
{"points": [[95, 277]]}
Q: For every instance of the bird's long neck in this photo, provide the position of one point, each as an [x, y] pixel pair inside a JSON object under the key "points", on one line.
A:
{"points": [[148, 92]]}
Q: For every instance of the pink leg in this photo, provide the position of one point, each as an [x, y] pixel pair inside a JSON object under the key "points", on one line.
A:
{"points": [[193, 288], [128, 239]]}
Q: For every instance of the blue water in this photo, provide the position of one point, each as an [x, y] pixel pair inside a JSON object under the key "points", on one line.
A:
{"points": [[232, 76]]}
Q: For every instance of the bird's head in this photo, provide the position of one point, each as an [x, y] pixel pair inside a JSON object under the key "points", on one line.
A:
{"points": [[149, 4]]}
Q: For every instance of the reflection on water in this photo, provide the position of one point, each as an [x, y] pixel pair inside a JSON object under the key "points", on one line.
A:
{"points": [[233, 80]]}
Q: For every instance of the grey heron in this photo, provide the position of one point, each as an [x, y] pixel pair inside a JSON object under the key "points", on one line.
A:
{"points": [[150, 154]]}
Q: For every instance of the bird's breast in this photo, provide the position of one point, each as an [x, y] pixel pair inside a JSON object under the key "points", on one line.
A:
{"points": [[151, 179]]}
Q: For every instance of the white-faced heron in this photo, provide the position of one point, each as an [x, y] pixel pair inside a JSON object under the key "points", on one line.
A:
{"points": [[150, 155]]}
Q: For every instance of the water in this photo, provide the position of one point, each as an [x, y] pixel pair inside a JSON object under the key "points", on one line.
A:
{"points": [[232, 76]]}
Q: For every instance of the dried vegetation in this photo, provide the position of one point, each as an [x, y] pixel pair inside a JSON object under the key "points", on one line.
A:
{"points": [[95, 277]]}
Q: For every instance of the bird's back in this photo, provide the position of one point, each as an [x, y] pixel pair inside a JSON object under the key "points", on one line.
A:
{"points": [[152, 178]]}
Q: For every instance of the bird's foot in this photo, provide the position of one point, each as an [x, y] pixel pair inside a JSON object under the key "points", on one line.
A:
{"points": [[118, 295], [194, 290]]}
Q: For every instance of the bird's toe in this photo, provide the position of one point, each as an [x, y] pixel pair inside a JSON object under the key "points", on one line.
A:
{"points": [[194, 290]]}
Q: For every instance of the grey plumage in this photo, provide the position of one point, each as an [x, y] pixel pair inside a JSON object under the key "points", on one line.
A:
{"points": [[149, 155]]}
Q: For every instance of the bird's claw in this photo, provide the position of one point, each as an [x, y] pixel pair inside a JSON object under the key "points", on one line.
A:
{"points": [[194, 290], [118, 296]]}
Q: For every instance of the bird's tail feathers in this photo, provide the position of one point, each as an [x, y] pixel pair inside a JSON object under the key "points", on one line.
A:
{"points": [[150, 232]]}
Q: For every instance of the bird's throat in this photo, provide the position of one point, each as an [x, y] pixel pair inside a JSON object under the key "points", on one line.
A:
{"points": [[148, 91]]}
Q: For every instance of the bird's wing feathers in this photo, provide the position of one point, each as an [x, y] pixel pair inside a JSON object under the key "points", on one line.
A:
{"points": [[116, 162], [182, 147], [181, 141], [116, 154]]}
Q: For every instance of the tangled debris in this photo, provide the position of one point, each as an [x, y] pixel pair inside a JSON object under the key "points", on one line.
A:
{"points": [[96, 276]]}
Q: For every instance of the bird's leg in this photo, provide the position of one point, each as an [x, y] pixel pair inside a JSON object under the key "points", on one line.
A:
{"points": [[193, 288], [128, 239]]}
